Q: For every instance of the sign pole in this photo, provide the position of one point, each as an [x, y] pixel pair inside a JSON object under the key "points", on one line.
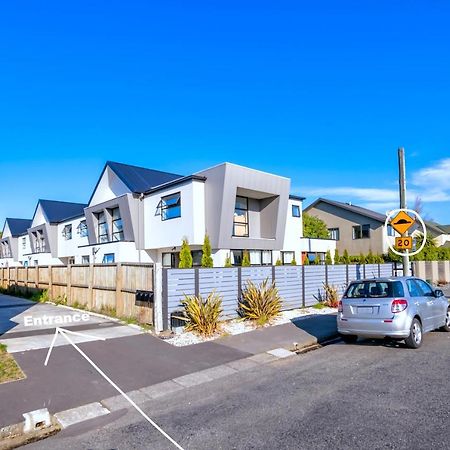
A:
{"points": [[402, 192]]}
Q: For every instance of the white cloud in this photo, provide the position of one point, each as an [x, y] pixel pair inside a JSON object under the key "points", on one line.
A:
{"points": [[431, 184]]}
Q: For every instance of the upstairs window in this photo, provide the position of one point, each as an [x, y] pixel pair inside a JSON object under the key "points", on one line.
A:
{"points": [[67, 232], [296, 211], [24, 243], [82, 229], [102, 228], [361, 232], [117, 225], [334, 233], [240, 218], [171, 206]]}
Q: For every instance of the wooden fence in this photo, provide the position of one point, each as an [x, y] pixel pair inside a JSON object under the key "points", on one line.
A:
{"points": [[97, 287]]}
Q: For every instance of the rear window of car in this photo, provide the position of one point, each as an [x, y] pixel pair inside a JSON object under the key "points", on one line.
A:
{"points": [[375, 289]]}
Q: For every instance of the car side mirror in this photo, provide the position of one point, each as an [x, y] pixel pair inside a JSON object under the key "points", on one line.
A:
{"points": [[438, 293]]}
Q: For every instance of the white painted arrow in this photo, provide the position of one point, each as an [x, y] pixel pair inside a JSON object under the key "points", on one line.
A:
{"points": [[64, 333]]}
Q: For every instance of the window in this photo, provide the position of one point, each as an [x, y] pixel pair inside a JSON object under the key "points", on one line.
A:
{"points": [[39, 242], [390, 231], [171, 206], [168, 260], [413, 288], [375, 289], [255, 257], [236, 257], [71, 260], [296, 211], [67, 232], [267, 257], [108, 258], [85, 259], [24, 243], [240, 220], [196, 258], [117, 225], [334, 233], [427, 290], [102, 227], [82, 229], [361, 231], [287, 257]]}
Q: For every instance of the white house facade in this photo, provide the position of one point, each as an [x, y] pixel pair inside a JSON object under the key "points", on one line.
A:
{"points": [[142, 215]]}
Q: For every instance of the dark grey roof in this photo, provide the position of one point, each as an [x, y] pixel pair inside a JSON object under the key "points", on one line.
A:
{"points": [[17, 227], [296, 197], [57, 212], [352, 208], [140, 179], [434, 228]]}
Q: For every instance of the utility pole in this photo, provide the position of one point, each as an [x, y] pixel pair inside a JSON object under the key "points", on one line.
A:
{"points": [[402, 192]]}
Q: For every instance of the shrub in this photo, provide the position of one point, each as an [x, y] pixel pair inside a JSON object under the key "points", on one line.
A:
{"points": [[207, 260], [331, 296], [293, 262], [345, 257], [278, 263], [370, 258], [362, 259], [41, 296], [203, 314], [317, 261], [328, 259], [245, 259], [306, 261], [228, 261], [185, 256], [337, 258], [260, 303]]}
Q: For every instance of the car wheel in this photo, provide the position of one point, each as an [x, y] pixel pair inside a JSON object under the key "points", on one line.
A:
{"points": [[414, 340], [446, 327], [349, 338]]}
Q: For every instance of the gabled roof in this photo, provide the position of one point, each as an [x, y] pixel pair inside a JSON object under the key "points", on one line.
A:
{"points": [[434, 228], [349, 207], [17, 227], [140, 179], [56, 211]]}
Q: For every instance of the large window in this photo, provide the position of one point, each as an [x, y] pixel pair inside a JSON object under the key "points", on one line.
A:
{"points": [[361, 232], [82, 229], [171, 206], [117, 225], [240, 220], [257, 257], [39, 242], [296, 211], [67, 232], [334, 233], [102, 227]]}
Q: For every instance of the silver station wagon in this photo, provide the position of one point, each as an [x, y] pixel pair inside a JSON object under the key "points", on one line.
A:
{"points": [[398, 308]]}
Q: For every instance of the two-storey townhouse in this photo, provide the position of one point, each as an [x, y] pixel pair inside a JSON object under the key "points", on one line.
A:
{"points": [[52, 232], [11, 242]]}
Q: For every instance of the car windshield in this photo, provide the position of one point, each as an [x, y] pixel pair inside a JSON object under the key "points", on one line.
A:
{"points": [[375, 289]]}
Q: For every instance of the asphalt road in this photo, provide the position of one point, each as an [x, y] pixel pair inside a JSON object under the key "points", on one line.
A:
{"points": [[370, 395]]}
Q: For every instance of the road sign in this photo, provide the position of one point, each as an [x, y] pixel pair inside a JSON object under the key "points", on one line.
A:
{"points": [[402, 222], [404, 243]]}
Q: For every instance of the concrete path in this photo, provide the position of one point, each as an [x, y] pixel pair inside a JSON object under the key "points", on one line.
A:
{"points": [[16, 312]]}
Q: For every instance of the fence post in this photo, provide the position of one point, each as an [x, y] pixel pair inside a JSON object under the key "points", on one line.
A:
{"points": [[50, 282], [119, 280], [161, 301], [26, 279], [196, 281], [303, 286], [364, 270], [91, 287], [379, 270], [69, 283], [239, 283], [273, 274]]}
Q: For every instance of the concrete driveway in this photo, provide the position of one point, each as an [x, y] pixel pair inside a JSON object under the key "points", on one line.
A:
{"points": [[16, 313]]}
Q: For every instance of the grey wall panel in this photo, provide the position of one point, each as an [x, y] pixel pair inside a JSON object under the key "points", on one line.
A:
{"points": [[288, 281], [337, 277], [314, 279], [179, 283]]}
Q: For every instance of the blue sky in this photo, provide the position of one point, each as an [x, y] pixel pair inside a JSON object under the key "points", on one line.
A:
{"points": [[322, 92]]}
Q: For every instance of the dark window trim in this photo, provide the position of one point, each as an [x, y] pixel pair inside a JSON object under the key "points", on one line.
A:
{"points": [[82, 228], [113, 221], [360, 228], [109, 262], [338, 233], [296, 207], [105, 222], [165, 208], [241, 223], [282, 257]]}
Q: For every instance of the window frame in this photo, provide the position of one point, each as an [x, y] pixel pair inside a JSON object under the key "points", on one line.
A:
{"points": [[82, 229], [336, 230], [67, 232], [114, 221], [164, 207], [246, 223], [283, 254], [358, 231], [106, 255], [99, 223], [296, 208]]}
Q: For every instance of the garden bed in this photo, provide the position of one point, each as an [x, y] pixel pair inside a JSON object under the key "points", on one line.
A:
{"points": [[9, 369], [239, 326]]}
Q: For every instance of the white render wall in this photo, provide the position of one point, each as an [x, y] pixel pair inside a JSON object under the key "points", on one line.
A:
{"points": [[70, 248], [109, 187], [170, 233]]}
